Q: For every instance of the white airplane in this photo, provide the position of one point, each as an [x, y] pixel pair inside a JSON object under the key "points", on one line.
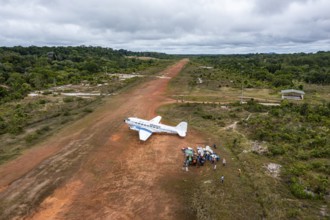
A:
{"points": [[146, 128]]}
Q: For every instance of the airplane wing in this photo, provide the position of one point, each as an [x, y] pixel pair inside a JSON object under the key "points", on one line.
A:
{"points": [[144, 134], [156, 119]]}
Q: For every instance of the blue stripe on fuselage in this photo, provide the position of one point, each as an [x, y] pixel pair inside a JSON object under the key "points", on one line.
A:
{"points": [[144, 129]]}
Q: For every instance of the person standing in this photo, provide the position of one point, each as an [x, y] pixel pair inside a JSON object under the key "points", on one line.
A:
{"points": [[187, 165], [222, 179], [224, 161]]}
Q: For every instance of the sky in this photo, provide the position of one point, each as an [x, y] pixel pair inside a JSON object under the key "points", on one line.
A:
{"points": [[170, 26]]}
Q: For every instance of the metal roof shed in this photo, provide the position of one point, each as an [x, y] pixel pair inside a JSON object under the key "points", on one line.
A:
{"points": [[292, 94]]}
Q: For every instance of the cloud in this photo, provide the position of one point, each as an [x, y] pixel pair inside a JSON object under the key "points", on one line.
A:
{"points": [[270, 7], [199, 26]]}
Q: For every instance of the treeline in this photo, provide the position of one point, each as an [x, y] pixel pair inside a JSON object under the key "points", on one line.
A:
{"points": [[23, 69], [145, 54], [277, 70]]}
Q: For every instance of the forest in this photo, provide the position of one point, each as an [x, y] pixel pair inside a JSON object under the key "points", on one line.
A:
{"points": [[24, 69], [274, 70]]}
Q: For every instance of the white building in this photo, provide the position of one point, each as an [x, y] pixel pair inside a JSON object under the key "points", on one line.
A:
{"points": [[292, 94]]}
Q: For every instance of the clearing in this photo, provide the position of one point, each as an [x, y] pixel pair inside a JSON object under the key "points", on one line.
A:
{"points": [[96, 168]]}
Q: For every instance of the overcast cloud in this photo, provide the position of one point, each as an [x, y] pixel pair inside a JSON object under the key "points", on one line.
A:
{"points": [[171, 26]]}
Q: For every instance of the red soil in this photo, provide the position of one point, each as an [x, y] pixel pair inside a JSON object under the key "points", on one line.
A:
{"points": [[97, 168]]}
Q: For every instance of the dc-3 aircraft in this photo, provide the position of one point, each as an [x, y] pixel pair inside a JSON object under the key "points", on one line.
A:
{"points": [[146, 128]]}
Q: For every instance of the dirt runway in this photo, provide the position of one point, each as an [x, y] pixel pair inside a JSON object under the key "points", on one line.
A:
{"points": [[96, 168]]}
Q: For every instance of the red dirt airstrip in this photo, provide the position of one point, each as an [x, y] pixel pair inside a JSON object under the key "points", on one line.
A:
{"points": [[96, 168]]}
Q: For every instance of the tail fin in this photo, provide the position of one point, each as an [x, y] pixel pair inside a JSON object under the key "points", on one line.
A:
{"points": [[182, 129]]}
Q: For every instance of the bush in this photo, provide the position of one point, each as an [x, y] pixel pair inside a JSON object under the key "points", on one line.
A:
{"points": [[31, 137], [320, 184], [302, 155], [297, 169], [43, 130], [322, 152], [14, 128], [276, 150], [262, 135], [207, 116], [88, 110], [42, 101], [3, 126], [68, 99], [298, 189], [253, 106], [321, 167], [293, 213], [275, 112], [66, 113], [47, 92]]}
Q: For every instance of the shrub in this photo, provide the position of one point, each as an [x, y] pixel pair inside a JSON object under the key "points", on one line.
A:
{"points": [[66, 113], [31, 137], [88, 110], [232, 115], [275, 112], [14, 128], [320, 185], [297, 169], [43, 130], [276, 150], [262, 135], [302, 155], [298, 189], [207, 116], [321, 152], [42, 101], [293, 213], [316, 164], [47, 92], [68, 99], [3, 126], [253, 106]]}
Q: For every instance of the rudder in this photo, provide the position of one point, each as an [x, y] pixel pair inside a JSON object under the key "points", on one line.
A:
{"points": [[182, 128]]}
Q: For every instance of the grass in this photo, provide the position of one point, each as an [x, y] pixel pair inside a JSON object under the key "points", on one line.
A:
{"points": [[253, 196], [257, 194], [219, 86], [317, 94], [184, 87], [39, 123]]}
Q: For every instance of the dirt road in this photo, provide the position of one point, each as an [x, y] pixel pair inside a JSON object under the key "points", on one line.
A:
{"points": [[97, 168]]}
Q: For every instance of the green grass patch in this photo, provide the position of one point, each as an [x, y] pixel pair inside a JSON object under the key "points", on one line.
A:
{"points": [[303, 180]]}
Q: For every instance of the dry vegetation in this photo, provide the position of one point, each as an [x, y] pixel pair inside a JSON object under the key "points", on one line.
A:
{"points": [[257, 139]]}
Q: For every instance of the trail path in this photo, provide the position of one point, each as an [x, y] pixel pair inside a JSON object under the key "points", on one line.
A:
{"points": [[96, 168]]}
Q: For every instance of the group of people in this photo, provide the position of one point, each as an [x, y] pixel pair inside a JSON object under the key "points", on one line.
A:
{"points": [[200, 156]]}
